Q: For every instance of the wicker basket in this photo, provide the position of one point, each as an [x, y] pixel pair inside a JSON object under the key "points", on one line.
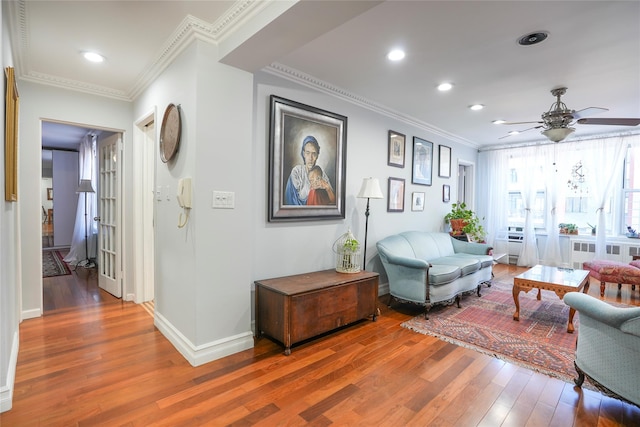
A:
{"points": [[347, 250]]}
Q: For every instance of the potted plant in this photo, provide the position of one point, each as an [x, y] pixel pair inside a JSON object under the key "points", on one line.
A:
{"points": [[464, 221]]}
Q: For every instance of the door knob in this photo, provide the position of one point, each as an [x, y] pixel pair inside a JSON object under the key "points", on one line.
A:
{"points": [[96, 218]]}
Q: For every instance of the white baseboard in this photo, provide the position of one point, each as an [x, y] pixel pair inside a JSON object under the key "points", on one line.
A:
{"points": [[201, 354], [31, 314], [6, 390]]}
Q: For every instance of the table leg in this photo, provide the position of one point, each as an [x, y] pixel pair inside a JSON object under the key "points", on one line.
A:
{"points": [[570, 329], [516, 300]]}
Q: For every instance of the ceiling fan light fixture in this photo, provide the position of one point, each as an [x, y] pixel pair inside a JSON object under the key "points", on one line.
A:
{"points": [[557, 134]]}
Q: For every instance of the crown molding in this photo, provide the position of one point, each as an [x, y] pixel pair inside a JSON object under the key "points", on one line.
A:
{"points": [[190, 29], [75, 85], [304, 79]]}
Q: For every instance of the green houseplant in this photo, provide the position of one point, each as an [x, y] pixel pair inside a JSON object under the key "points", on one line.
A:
{"points": [[465, 221]]}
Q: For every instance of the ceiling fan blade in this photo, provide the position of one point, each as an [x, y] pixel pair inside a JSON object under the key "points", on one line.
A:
{"points": [[519, 123], [610, 121], [518, 132], [590, 111]]}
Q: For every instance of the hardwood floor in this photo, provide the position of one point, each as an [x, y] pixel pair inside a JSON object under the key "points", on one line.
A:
{"points": [[104, 363], [78, 289]]}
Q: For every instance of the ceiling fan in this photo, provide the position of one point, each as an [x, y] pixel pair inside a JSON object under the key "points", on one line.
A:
{"points": [[556, 123]]}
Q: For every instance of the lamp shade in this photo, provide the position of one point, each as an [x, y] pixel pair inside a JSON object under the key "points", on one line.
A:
{"points": [[85, 186], [557, 134], [370, 189]]}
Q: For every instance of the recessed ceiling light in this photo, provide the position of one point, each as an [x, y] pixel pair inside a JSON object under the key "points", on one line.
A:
{"points": [[533, 38], [395, 55], [443, 87], [93, 57], [476, 107], [498, 122], [514, 132]]}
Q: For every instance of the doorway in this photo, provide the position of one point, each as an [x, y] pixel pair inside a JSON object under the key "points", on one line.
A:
{"points": [[466, 171], [61, 181]]}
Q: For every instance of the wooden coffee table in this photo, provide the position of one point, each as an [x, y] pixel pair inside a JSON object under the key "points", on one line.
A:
{"points": [[556, 279]]}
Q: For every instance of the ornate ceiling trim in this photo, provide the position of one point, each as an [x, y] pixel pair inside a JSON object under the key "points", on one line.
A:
{"points": [[304, 79], [190, 29]]}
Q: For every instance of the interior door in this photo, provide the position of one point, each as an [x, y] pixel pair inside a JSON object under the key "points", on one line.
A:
{"points": [[108, 215]]}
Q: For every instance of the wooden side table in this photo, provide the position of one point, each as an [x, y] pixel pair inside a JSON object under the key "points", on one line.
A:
{"points": [[295, 308]]}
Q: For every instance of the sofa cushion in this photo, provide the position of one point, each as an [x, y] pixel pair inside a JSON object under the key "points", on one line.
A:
{"points": [[440, 274], [467, 265], [635, 263], [428, 246], [485, 260]]}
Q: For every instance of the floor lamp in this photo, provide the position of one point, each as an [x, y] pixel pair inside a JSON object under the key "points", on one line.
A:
{"points": [[370, 190], [85, 187]]}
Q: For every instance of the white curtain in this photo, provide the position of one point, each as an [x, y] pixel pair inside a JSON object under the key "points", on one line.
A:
{"points": [[604, 160], [87, 169], [552, 255], [529, 177], [493, 170]]}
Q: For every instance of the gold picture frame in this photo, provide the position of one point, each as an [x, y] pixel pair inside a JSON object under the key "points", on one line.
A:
{"points": [[11, 137]]}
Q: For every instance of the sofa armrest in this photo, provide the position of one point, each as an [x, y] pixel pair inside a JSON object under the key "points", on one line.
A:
{"points": [[404, 261], [627, 319], [471, 247]]}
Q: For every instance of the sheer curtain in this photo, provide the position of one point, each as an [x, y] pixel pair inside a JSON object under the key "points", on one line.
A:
{"points": [[604, 159], [551, 254], [529, 251], [494, 170], [87, 169]]}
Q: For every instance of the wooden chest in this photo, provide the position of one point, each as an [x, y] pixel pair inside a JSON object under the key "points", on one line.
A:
{"points": [[294, 308]]}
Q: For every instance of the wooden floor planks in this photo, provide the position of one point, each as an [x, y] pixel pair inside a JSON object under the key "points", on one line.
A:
{"points": [[95, 360]]}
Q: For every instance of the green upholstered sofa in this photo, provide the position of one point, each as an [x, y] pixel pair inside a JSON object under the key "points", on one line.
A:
{"points": [[608, 347], [429, 268]]}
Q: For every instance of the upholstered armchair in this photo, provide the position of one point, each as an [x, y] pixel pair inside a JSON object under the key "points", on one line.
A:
{"points": [[608, 346]]}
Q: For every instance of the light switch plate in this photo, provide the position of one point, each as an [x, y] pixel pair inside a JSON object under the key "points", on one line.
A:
{"points": [[223, 200]]}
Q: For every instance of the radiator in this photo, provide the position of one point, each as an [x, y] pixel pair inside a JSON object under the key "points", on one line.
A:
{"points": [[585, 250]]}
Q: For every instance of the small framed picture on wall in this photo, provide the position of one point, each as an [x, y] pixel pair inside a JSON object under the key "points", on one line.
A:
{"points": [[422, 161], [444, 165], [396, 195], [417, 201], [397, 143], [446, 193]]}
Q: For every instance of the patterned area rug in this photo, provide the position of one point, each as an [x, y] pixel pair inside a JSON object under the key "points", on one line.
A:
{"points": [[53, 265], [539, 341]]}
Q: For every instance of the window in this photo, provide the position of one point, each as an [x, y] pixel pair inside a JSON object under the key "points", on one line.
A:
{"points": [[631, 190], [515, 208]]}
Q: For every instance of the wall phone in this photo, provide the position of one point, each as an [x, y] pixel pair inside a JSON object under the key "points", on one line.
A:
{"points": [[184, 200], [184, 193]]}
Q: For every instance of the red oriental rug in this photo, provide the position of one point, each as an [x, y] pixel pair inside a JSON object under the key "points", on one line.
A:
{"points": [[539, 341]]}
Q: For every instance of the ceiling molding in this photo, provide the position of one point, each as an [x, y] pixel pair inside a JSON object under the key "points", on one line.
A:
{"points": [[304, 79], [75, 85], [190, 29]]}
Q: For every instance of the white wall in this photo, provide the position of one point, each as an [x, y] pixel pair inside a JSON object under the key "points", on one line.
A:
{"points": [[10, 259], [65, 198], [202, 281], [289, 248], [41, 102]]}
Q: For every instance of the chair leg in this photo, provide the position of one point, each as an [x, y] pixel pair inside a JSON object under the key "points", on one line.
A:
{"points": [[426, 312], [479, 287], [578, 381], [601, 289], [458, 300], [389, 300]]}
